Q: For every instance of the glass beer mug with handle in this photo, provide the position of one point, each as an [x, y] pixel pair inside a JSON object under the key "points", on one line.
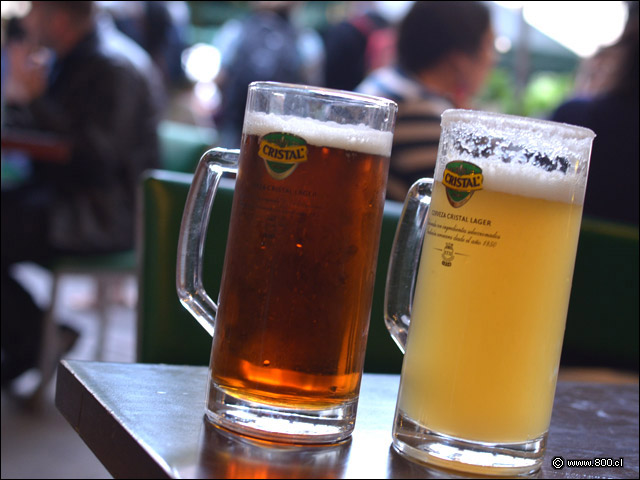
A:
{"points": [[290, 327], [492, 241]]}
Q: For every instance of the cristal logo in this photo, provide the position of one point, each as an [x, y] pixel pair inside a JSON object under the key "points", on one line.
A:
{"points": [[282, 152], [461, 179]]}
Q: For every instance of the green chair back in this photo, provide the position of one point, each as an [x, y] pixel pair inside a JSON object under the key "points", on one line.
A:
{"points": [[602, 325], [167, 333], [182, 145]]}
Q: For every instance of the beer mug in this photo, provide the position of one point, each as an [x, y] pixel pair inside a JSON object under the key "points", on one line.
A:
{"points": [[290, 326], [495, 236]]}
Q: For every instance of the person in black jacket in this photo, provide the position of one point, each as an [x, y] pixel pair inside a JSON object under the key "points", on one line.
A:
{"points": [[101, 99], [266, 45], [612, 112]]}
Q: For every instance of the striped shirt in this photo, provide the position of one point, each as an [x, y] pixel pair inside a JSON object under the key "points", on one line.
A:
{"points": [[417, 132]]}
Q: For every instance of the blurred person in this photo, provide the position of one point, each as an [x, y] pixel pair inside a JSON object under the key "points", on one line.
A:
{"points": [[160, 28], [12, 33], [98, 98], [264, 46], [15, 164], [444, 55], [608, 104], [357, 45]]}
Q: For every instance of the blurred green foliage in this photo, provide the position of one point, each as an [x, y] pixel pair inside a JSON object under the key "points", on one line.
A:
{"points": [[543, 92]]}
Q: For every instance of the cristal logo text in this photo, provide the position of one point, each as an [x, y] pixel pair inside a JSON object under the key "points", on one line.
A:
{"points": [[465, 183], [273, 153], [282, 153], [461, 179]]}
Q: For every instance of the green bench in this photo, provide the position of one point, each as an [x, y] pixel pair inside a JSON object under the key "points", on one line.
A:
{"points": [[602, 326]]}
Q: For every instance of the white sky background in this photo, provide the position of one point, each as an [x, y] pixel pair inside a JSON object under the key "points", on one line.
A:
{"points": [[582, 27]]}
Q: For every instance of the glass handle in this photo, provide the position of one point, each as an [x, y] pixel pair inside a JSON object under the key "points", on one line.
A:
{"points": [[193, 232], [403, 262]]}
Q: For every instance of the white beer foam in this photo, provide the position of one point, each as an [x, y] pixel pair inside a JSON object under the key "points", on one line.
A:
{"points": [[490, 122], [356, 138], [531, 181], [517, 177]]}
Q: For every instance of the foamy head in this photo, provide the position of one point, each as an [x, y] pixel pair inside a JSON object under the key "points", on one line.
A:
{"points": [[356, 138], [520, 156]]}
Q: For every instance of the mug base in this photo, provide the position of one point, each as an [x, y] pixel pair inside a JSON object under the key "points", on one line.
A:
{"points": [[420, 444], [278, 423]]}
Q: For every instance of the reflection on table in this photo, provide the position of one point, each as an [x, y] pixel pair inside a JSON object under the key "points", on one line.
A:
{"points": [[146, 420]]}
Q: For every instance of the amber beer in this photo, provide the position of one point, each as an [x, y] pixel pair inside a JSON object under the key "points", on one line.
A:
{"points": [[299, 269]]}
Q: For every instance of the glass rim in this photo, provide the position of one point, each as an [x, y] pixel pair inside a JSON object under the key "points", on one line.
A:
{"points": [[329, 93], [455, 115]]}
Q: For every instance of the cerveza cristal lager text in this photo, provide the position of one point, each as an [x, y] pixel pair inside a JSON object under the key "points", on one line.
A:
{"points": [[461, 218]]}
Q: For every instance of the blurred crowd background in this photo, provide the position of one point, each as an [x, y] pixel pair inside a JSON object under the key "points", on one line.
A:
{"points": [[542, 50], [542, 54]]}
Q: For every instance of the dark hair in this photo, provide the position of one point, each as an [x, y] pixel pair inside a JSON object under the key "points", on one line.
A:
{"points": [[14, 30], [80, 10], [625, 80], [431, 30]]}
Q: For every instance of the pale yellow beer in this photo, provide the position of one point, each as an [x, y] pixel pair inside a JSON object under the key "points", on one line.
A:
{"points": [[483, 330], [489, 315]]}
